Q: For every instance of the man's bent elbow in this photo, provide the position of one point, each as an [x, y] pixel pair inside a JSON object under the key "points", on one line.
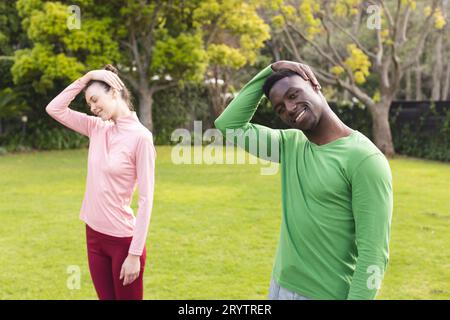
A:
{"points": [[220, 125]]}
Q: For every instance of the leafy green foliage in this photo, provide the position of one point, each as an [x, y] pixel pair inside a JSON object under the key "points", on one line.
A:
{"points": [[59, 53], [170, 56], [11, 103]]}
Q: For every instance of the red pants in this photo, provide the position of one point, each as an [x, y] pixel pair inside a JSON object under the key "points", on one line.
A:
{"points": [[106, 254]]}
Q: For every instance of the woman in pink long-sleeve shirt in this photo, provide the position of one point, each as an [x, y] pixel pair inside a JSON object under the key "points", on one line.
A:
{"points": [[121, 157]]}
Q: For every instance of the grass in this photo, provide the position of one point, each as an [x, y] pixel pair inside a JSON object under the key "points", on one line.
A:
{"points": [[213, 232]]}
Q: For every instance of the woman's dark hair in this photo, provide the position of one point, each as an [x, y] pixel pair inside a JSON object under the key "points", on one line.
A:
{"points": [[125, 94], [275, 77]]}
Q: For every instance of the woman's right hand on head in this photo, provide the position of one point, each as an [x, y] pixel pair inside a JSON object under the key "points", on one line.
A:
{"points": [[107, 76]]}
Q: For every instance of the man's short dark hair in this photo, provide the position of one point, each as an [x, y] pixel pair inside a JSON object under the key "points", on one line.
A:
{"points": [[275, 77]]}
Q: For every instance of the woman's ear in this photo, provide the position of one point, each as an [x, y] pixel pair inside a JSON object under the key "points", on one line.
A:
{"points": [[114, 93]]}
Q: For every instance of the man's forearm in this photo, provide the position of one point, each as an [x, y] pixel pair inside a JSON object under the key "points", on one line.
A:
{"points": [[240, 111]]}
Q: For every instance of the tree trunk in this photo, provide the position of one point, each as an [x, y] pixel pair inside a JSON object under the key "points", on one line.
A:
{"points": [[216, 100], [418, 82], [408, 84], [274, 48], [437, 70], [356, 22], [346, 95], [381, 129], [145, 108], [217, 93], [446, 85], [446, 80]]}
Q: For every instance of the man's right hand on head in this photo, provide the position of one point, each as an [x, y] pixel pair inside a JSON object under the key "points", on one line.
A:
{"points": [[301, 69]]}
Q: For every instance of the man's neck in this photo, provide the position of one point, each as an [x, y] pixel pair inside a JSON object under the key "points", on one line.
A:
{"points": [[329, 128]]}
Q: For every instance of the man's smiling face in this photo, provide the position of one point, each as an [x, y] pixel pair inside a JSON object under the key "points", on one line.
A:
{"points": [[296, 102]]}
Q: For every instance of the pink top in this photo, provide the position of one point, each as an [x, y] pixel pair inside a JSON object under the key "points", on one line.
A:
{"points": [[121, 156]]}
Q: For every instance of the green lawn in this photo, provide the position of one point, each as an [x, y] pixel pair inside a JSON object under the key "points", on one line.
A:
{"points": [[213, 232]]}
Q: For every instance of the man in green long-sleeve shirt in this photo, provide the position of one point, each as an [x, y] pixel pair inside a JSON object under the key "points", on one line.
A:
{"points": [[336, 188]]}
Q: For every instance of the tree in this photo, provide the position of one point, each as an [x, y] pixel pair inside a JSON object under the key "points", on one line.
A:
{"points": [[12, 36], [233, 34], [156, 45], [134, 35], [57, 53], [359, 40], [439, 89], [160, 48]]}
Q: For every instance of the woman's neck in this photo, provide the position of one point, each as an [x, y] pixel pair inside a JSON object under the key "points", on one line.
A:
{"points": [[122, 111]]}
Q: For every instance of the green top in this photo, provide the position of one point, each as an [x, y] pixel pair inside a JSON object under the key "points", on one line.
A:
{"points": [[336, 205]]}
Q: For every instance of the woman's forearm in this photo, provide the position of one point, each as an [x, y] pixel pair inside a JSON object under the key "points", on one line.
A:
{"points": [[59, 109]]}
